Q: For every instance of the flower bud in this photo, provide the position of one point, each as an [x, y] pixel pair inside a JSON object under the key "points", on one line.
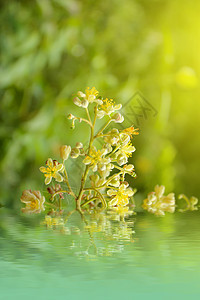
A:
{"points": [[70, 117], [79, 145], [129, 168], [81, 94], [115, 181], [75, 152], [64, 152], [118, 118], [77, 101], [121, 159], [84, 103], [100, 114]]}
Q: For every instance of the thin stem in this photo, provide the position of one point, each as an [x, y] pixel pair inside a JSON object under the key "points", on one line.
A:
{"points": [[58, 192], [109, 179], [67, 182], [52, 205], [90, 200], [84, 120], [78, 202], [100, 196], [104, 127], [88, 115], [113, 151]]}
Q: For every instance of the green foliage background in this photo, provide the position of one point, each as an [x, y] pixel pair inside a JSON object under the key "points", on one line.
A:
{"points": [[53, 48]]}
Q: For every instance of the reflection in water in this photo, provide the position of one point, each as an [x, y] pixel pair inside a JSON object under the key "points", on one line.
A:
{"points": [[101, 231], [101, 247]]}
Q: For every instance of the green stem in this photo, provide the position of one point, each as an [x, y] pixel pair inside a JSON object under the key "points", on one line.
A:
{"points": [[109, 179], [90, 200], [58, 192], [100, 196], [78, 201], [104, 127], [67, 182], [84, 120], [88, 115], [52, 205]]}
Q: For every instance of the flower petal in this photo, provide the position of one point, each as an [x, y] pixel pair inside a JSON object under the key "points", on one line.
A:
{"points": [[47, 180], [43, 169], [87, 160], [111, 192], [50, 162], [113, 202], [58, 177], [59, 167]]}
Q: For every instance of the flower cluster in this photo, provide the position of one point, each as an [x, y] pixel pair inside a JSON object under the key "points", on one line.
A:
{"points": [[84, 99], [103, 181], [157, 203], [106, 167]]}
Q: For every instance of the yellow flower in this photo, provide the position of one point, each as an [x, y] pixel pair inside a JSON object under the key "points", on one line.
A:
{"points": [[96, 159], [89, 96], [156, 203], [107, 108], [121, 196], [124, 152], [52, 171], [130, 131], [34, 202], [127, 149]]}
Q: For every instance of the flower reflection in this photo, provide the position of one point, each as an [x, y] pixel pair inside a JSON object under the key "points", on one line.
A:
{"points": [[99, 234]]}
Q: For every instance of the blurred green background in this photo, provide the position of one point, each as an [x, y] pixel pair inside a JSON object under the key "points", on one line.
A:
{"points": [[52, 48]]}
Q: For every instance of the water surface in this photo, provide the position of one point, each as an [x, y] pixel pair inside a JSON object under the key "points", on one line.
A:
{"points": [[147, 257]]}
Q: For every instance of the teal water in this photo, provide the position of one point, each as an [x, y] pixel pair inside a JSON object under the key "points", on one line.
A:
{"points": [[159, 260]]}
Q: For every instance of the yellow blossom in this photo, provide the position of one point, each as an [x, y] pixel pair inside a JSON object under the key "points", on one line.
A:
{"points": [[91, 94], [124, 152], [34, 202], [107, 108], [130, 131], [84, 99], [96, 159], [120, 197], [52, 171], [127, 149]]}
